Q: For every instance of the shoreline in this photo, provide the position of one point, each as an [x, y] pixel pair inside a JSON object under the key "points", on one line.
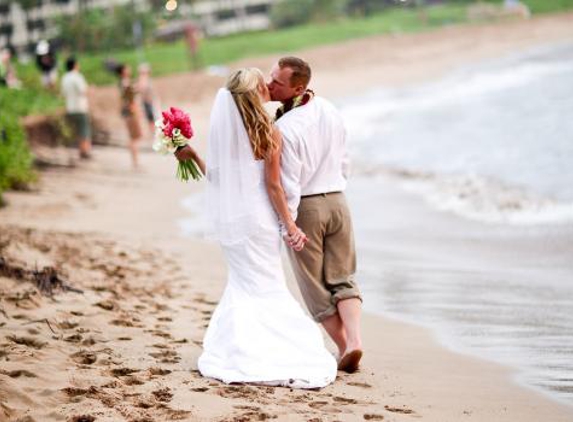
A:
{"points": [[105, 227]]}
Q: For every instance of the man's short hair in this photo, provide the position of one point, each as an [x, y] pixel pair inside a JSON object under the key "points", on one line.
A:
{"points": [[300, 70], [71, 63]]}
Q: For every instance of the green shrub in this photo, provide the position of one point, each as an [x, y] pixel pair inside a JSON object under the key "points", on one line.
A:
{"points": [[291, 12], [15, 158]]}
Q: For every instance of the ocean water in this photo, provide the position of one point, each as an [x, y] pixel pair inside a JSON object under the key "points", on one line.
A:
{"points": [[493, 142], [491, 146]]}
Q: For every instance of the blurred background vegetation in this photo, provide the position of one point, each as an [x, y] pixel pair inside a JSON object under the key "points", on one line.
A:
{"points": [[98, 37]]}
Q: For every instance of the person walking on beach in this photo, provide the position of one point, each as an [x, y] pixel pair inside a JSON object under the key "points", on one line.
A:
{"points": [[47, 64], [75, 91], [314, 172], [258, 333], [130, 111], [145, 88]]}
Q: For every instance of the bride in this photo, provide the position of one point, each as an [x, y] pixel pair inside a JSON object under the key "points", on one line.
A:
{"points": [[258, 332]]}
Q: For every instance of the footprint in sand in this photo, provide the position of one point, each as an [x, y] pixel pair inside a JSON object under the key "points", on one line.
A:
{"points": [[89, 341], [403, 410], [240, 392], [344, 400], [121, 372], [132, 380], [159, 333], [359, 384], [203, 301], [373, 417], [159, 371], [67, 324], [74, 338], [108, 305], [165, 319], [163, 394], [318, 404], [251, 415], [84, 357], [160, 346], [27, 341], [83, 418], [17, 373], [166, 356]]}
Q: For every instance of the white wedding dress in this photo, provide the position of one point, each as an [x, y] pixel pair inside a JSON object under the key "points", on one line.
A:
{"points": [[258, 333]]}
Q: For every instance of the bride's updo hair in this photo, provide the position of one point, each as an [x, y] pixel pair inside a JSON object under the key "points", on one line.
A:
{"points": [[244, 85]]}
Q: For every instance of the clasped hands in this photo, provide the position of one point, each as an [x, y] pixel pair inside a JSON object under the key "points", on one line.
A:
{"points": [[295, 238]]}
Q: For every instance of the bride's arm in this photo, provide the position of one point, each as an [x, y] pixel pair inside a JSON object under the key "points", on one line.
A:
{"points": [[188, 153], [296, 237]]}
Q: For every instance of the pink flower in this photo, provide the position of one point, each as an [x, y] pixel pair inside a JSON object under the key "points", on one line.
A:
{"points": [[175, 118]]}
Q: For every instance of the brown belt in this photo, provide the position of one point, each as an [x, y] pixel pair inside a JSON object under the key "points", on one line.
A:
{"points": [[320, 194]]}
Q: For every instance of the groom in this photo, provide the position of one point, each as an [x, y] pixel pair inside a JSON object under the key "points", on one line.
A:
{"points": [[314, 171]]}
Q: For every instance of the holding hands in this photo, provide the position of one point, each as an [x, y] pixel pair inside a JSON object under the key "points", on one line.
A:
{"points": [[295, 237]]}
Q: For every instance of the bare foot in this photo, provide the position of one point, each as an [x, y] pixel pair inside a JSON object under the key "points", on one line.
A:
{"points": [[350, 361]]}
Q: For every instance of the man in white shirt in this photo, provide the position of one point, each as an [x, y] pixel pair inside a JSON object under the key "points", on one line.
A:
{"points": [[314, 170], [75, 90]]}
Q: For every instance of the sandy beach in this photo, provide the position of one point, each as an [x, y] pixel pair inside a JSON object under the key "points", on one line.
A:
{"points": [[126, 346]]}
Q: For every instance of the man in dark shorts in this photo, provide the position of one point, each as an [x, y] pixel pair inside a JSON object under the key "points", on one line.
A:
{"points": [[75, 91]]}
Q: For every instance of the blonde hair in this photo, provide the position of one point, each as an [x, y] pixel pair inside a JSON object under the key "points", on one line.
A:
{"points": [[244, 86]]}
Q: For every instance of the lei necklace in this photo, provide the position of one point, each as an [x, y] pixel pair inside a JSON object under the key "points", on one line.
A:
{"points": [[288, 105]]}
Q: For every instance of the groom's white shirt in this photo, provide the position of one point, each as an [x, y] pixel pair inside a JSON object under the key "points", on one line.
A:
{"points": [[314, 159]]}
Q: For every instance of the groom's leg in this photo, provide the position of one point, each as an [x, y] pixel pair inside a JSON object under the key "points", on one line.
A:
{"points": [[350, 312], [335, 329], [340, 268]]}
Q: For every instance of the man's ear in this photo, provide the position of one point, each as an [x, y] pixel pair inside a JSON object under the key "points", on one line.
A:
{"points": [[299, 90]]}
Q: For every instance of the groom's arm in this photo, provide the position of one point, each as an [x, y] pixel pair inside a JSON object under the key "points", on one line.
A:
{"points": [[345, 157], [291, 171]]}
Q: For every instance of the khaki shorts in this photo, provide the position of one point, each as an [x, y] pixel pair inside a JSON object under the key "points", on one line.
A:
{"points": [[325, 268]]}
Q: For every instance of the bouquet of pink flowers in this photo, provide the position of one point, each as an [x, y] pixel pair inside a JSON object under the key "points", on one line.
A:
{"points": [[174, 131]]}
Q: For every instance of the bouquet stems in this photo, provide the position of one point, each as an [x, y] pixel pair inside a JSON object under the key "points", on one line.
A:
{"points": [[188, 169]]}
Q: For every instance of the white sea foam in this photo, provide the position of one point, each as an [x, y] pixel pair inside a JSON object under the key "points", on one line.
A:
{"points": [[487, 200]]}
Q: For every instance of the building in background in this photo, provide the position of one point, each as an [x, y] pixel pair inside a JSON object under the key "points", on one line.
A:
{"points": [[225, 17], [23, 23]]}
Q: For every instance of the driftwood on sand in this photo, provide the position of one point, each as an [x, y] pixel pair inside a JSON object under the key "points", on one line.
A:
{"points": [[47, 280]]}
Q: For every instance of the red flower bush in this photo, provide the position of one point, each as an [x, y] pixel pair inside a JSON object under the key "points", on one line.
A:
{"points": [[175, 118]]}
